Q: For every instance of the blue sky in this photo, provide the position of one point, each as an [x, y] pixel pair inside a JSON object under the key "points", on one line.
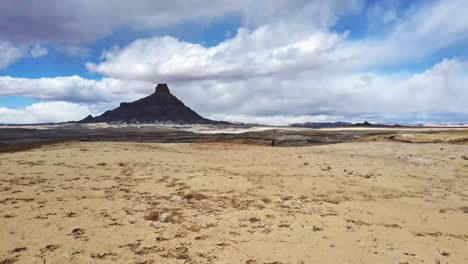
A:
{"points": [[255, 61]]}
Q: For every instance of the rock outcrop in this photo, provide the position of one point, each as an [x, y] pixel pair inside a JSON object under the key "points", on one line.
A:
{"points": [[160, 107]]}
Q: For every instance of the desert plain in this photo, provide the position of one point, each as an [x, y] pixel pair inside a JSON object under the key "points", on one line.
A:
{"points": [[378, 199]]}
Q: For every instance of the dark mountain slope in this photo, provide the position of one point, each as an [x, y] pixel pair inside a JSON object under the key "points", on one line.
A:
{"points": [[160, 107]]}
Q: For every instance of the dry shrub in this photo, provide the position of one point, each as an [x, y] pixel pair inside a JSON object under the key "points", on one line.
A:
{"points": [[195, 196], [464, 209], [152, 216], [181, 252], [8, 261], [165, 217], [254, 219]]}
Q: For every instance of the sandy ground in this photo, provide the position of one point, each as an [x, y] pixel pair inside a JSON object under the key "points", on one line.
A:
{"points": [[453, 136], [361, 202]]}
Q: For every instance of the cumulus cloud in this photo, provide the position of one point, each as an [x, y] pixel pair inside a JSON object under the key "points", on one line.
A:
{"points": [[355, 96], [43, 113], [284, 48], [264, 52], [72, 88], [380, 97]]}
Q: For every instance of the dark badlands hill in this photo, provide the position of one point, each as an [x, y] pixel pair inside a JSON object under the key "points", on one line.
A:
{"points": [[160, 107]]}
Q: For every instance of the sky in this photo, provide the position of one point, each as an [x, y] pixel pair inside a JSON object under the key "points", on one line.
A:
{"points": [[260, 61]]}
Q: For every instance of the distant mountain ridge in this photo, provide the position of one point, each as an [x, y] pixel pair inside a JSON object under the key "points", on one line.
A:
{"points": [[159, 107], [367, 124], [338, 124], [320, 124]]}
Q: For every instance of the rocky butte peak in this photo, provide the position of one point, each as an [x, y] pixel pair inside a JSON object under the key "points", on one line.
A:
{"points": [[159, 107], [162, 88]]}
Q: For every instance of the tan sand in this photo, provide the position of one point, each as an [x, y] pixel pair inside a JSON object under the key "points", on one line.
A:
{"points": [[362, 202], [454, 136]]}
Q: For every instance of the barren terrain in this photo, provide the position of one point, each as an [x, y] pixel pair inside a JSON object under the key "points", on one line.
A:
{"points": [[123, 202]]}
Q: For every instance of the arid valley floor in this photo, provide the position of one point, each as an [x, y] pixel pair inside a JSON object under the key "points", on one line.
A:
{"points": [[372, 200]]}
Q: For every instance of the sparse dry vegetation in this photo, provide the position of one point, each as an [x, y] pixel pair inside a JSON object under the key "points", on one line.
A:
{"points": [[205, 203]]}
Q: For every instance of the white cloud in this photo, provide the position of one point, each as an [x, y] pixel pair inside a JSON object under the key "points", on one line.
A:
{"points": [[285, 48], [431, 95], [43, 113], [38, 51], [420, 33], [10, 54], [437, 91], [72, 88], [268, 50]]}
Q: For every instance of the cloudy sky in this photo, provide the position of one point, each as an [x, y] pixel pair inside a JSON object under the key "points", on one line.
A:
{"points": [[268, 61]]}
